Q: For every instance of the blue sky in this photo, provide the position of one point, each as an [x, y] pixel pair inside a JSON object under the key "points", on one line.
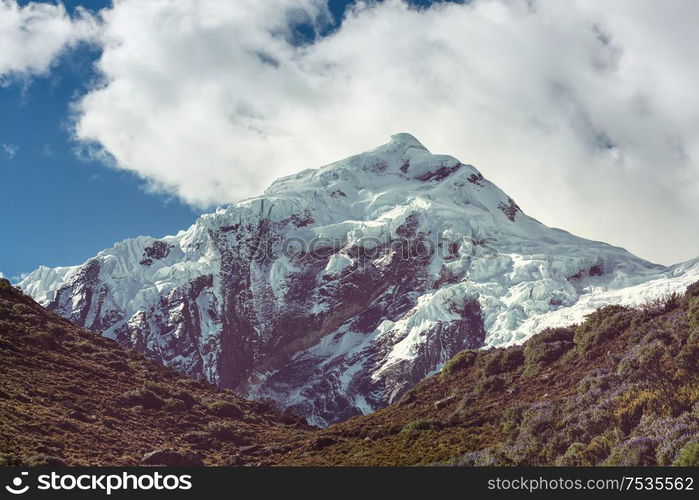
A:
{"points": [[60, 206], [522, 90]]}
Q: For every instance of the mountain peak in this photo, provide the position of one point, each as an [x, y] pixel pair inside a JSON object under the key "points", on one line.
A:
{"points": [[406, 139]]}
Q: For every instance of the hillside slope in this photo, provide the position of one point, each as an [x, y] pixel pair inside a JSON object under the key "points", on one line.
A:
{"points": [[621, 388], [71, 396], [340, 288]]}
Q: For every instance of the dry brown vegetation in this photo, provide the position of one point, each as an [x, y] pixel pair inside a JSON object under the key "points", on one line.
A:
{"points": [[70, 396], [620, 389]]}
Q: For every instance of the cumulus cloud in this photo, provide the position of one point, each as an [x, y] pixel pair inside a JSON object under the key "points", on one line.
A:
{"points": [[585, 112], [33, 35]]}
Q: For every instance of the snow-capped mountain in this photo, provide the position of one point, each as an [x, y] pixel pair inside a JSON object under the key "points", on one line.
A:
{"points": [[341, 287]]}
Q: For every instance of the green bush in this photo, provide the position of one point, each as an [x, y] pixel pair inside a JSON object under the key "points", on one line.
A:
{"points": [[597, 381], [688, 456], [462, 360], [546, 347], [693, 312], [639, 451], [686, 360], [693, 290], [421, 425], [574, 456], [603, 324], [643, 361], [512, 359], [502, 360], [660, 305], [512, 417], [490, 385]]}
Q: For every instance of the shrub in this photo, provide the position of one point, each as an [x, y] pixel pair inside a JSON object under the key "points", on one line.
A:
{"points": [[489, 457], [174, 405], [545, 348], [539, 419], [56, 331], [693, 290], [693, 312], [221, 430], [142, 397], [490, 385], [421, 425], [660, 305], [492, 362], [189, 400], [598, 382], [631, 406], [25, 313], [512, 359], [224, 409], [686, 360], [603, 324], [634, 452], [201, 439], [673, 439], [503, 360], [689, 455], [462, 360], [598, 449], [574, 456], [641, 359], [158, 388], [644, 364], [512, 417]]}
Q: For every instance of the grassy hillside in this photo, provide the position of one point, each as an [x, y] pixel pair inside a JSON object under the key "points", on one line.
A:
{"points": [[71, 396], [620, 389]]}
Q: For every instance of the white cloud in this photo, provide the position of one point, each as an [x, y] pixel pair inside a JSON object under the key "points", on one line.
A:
{"points": [[585, 112], [19, 277], [10, 149], [197, 92], [33, 35]]}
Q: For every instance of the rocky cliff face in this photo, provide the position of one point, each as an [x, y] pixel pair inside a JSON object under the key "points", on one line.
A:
{"points": [[341, 287]]}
